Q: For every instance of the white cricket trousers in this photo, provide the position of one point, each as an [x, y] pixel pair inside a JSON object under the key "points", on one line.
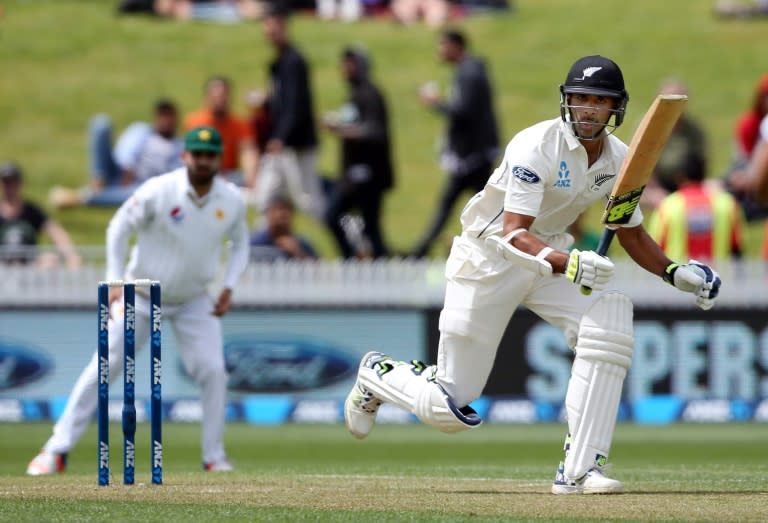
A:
{"points": [[199, 341], [293, 174], [483, 290]]}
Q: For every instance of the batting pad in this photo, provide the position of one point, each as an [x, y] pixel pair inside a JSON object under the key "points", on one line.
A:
{"points": [[407, 386], [603, 355]]}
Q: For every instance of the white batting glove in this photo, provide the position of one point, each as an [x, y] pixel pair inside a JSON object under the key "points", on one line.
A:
{"points": [[589, 269], [698, 279]]}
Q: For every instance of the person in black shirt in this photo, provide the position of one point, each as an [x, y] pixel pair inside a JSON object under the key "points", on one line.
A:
{"points": [[288, 165], [21, 222], [366, 165], [471, 143]]}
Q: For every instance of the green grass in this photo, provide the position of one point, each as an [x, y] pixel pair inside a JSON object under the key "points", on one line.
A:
{"points": [[411, 473], [64, 60]]}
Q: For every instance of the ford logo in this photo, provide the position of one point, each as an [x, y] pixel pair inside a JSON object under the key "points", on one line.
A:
{"points": [[285, 364], [525, 175], [20, 364]]}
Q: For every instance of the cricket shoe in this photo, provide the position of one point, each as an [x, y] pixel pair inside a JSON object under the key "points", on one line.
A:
{"points": [[593, 482], [361, 405], [222, 465], [47, 463]]}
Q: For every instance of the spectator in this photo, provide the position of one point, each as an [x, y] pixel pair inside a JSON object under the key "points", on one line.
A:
{"points": [[290, 154], [741, 9], [141, 152], [346, 10], [470, 7], [21, 222], [137, 6], [748, 124], [747, 136], [366, 164], [239, 160], [258, 118], [224, 11], [472, 141], [687, 139], [757, 170], [756, 177], [697, 222], [276, 240], [433, 12]]}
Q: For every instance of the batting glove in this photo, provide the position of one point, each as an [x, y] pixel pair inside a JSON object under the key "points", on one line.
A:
{"points": [[698, 279], [589, 269]]}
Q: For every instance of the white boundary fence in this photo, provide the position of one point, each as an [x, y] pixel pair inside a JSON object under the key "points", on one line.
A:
{"points": [[385, 283]]}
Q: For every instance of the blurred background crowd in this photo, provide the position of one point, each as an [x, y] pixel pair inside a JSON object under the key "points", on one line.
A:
{"points": [[271, 146]]}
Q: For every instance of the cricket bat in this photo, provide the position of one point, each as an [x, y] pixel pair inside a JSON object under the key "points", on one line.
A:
{"points": [[642, 155]]}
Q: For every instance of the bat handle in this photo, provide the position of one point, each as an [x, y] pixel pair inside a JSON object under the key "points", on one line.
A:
{"points": [[602, 250]]}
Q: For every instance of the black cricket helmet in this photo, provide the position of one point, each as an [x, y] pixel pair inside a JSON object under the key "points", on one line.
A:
{"points": [[599, 76]]}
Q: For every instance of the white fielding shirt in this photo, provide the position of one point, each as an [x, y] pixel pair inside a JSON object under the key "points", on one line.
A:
{"points": [[179, 236], [544, 174]]}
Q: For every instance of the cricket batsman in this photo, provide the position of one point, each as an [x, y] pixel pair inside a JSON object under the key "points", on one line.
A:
{"points": [[514, 250]]}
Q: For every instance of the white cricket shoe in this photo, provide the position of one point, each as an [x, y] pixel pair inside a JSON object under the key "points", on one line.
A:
{"points": [[593, 482], [47, 463], [361, 405], [223, 465]]}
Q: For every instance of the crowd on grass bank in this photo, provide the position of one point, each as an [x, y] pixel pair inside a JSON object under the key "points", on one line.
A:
{"points": [[433, 13], [270, 152]]}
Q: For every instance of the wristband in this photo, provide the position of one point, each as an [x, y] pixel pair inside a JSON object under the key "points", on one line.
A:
{"points": [[669, 273]]}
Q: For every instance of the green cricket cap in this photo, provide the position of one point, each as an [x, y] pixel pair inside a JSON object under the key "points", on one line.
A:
{"points": [[203, 139]]}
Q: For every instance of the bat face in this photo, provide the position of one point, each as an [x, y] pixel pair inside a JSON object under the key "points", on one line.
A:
{"points": [[642, 155]]}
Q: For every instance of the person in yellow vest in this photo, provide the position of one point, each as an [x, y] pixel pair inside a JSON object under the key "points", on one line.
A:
{"points": [[697, 221]]}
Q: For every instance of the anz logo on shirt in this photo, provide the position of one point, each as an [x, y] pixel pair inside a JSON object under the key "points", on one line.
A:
{"points": [[564, 176]]}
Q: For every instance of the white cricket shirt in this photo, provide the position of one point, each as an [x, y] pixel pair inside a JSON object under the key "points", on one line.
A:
{"points": [[544, 174], [178, 235]]}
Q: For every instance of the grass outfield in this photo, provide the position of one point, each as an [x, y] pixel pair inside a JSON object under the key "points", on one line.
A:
{"points": [[411, 473]]}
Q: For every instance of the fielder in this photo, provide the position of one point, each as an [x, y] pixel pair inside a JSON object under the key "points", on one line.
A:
{"points": [[513, 251], [180, 220]]}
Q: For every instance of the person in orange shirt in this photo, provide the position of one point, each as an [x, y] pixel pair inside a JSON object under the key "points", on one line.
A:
{"points": [[239, 159]]}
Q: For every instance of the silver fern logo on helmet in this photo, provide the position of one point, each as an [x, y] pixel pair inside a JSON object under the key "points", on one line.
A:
{"points": [[587, 73]]}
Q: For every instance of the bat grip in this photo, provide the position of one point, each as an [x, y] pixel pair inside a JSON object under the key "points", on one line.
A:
{"points": [[602, 250]]}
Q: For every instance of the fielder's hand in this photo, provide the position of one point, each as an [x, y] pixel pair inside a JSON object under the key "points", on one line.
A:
{"points": [[698, 279], [223, 303], [589, 269]]}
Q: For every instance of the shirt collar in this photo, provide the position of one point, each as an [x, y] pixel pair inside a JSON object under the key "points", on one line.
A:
{"points": [[574, 143], [570, 138], [192, 194]]}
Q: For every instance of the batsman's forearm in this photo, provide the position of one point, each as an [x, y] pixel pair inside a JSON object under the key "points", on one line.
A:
{"points": [[643, 249], [530, 244]]}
